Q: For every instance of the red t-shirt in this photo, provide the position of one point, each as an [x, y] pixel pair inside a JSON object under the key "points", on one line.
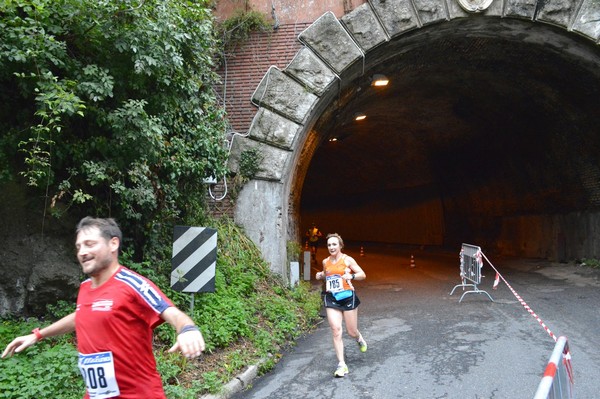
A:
{"points": [[114, 324]]}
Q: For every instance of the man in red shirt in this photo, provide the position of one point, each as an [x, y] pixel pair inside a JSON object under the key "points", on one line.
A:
{"points": [[117, 310]]}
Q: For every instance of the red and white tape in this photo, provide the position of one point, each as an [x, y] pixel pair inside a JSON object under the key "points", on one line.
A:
{"points": [[521, 299], [551, 368]]}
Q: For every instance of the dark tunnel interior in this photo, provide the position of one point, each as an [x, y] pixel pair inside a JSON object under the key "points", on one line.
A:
{"points": [[487, 132]]}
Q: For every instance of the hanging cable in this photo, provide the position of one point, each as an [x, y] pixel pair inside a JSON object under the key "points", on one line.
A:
{"points": [[274, 16]]}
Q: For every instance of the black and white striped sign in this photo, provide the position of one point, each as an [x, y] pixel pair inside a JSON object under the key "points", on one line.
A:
{"points": [[194, 259]]}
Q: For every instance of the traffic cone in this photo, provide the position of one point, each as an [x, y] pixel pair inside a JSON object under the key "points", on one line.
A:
{"points": [[362, 251], [412, 262]]}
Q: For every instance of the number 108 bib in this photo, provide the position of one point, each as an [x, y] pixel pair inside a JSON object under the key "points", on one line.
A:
{"points": [[98, 371]]}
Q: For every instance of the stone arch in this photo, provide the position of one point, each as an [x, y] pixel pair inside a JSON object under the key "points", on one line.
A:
{"points": [[335, 53]]}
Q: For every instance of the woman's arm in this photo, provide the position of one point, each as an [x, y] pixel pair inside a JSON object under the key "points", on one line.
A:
{"points": [[355, 269]]}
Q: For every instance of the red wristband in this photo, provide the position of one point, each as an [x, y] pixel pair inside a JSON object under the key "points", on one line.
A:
{"points": [[37, 333]]}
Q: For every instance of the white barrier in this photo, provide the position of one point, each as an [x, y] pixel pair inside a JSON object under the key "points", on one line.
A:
{"points": [[557, 382], [306, 265], [294, 273], [470, 270]]}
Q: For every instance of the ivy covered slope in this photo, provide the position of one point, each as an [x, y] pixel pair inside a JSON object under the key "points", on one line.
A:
{"points": [[110, 109], [251, 316]]}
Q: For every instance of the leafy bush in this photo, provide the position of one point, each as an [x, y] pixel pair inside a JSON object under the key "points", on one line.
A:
{"points": [[110, 107], [48, 369]]}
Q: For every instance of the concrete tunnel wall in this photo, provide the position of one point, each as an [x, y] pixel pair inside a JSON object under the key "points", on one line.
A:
{"points": [[292, 100]]}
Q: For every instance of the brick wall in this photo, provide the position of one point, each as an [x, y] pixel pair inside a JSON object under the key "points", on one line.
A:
{"points": [[241, 72], [245, 66]]}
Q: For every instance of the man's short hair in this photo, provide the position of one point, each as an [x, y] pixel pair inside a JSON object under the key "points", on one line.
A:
{"points": [[108, 227]]}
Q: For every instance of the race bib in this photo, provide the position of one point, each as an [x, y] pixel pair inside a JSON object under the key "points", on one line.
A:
{"points": [[334, 283], [98, 371]]}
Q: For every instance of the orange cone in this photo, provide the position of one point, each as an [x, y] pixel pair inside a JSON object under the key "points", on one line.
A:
{"points": [[362, 251], [412, 262]]}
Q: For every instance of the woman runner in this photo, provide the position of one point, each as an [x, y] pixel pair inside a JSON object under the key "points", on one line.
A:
{"points": [[341, 302]]}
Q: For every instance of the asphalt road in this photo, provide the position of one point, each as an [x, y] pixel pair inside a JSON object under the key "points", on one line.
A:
{"points": [[424, 344]]}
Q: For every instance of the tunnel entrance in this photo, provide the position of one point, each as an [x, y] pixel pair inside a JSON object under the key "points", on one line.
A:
{"points": [[486, 133], [481, 133]]}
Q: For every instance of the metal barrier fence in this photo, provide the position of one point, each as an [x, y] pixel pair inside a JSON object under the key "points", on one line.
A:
{"points": [[470, 270], [557, 382]]}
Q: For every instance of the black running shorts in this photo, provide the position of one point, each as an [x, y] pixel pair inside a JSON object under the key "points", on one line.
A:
{"points": [[349, 303]]}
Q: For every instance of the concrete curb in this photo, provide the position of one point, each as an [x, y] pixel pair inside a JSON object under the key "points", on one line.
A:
{"points": [[239, 383]]}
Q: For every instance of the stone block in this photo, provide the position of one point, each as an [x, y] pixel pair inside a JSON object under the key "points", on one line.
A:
{"points": [[556, 12], [273, 159], [494, 9], [587, 22], [311, 71], [520, 8], [261, 209], [364, 27], [397, 16], [330, 41], [431, 11], [273, 129], [455, 10], [248, 375], [282, 94]]}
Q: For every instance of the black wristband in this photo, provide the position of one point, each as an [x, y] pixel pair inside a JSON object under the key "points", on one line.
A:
{"points": [[188, 328], [353, 276]]}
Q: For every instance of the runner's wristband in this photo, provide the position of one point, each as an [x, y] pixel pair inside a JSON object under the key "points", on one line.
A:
{"points": [[188, 328], [37, 333]]}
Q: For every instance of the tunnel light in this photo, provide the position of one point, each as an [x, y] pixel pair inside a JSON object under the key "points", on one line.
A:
{"points": [[360, 116], [379, 80], [333, 139]]}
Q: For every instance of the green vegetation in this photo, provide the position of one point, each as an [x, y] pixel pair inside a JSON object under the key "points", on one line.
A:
{"points": [[250, 161], [252, 316], [110, 108], [249, 166], [237, 28], [294, 251], [593, 263], [48, 369]]}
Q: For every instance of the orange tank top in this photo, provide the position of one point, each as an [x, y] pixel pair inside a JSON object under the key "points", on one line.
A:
{"points": [[333, 274]]}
